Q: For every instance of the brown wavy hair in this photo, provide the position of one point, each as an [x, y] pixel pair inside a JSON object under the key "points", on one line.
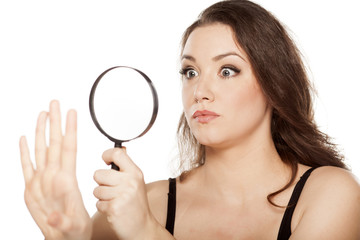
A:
{"points": [[280, 72]]}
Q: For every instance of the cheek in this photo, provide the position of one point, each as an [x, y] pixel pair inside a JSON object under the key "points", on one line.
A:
{"points": [[186, 103], [248, 97], [249, 105], [187, 97]]}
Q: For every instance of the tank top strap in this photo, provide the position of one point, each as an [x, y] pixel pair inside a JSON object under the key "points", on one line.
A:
{"points": [[171, 208], [285, 227]]}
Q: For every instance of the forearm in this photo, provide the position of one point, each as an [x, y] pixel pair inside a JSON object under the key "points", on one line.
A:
{"points": [[154, 231], [102, 229]]}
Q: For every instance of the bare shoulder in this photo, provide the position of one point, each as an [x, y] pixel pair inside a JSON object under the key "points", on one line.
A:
{"points": [[157, 196], [338, 182], [335, 172], [331, 186], [157, 187], [330, 205]]}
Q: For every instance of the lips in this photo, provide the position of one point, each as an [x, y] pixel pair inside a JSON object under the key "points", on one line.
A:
{"points": [[204, 116]]}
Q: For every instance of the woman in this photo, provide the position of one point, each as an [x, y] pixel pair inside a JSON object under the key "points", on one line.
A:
{"points": [[255, 166]]}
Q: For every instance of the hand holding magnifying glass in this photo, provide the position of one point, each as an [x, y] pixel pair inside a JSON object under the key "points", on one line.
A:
{"points": [[125, 102]]}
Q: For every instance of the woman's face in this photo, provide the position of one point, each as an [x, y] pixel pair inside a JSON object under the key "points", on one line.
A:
{"points": [[222, 100]]}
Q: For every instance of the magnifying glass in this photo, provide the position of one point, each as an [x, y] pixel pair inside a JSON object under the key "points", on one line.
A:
{"points": [[123, 104]]}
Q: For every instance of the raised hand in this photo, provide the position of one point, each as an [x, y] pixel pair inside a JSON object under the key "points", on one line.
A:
{"points": [[123, 198], [51, 189]]}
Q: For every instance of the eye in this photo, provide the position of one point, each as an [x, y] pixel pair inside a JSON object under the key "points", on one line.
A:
{"points": [[227, 72], [189, 73]]}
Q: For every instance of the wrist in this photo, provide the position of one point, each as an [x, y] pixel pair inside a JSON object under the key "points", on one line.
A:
{"points": [[83, 232]]}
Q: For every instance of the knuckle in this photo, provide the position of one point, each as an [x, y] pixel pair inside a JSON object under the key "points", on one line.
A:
{"points": [[105, 154], [98, 206], [101, 206], [96, 192], [97, 176]]}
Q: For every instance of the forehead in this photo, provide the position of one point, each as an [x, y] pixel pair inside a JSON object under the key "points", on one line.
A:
{"points": [[212, 40]]}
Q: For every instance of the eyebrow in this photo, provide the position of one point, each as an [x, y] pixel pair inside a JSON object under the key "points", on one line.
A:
{"points": [[216, 58], [188, 57], [221, 56]]}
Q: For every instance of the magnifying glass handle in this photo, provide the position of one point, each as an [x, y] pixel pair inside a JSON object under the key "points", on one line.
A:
{"points": [[113, 165]]}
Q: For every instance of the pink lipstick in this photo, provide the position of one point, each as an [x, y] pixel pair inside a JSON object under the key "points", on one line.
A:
{"points": [[204, 116]]}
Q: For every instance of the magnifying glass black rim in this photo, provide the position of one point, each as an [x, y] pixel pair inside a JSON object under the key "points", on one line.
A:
{"points": [[118, 142]]}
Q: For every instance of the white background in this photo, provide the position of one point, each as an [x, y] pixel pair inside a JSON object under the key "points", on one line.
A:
{"points": [[56, 49]]}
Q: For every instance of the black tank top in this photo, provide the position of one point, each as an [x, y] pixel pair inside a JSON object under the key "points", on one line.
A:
{"points": [[285, 227]]}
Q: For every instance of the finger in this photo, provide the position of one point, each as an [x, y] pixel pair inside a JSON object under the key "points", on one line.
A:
{"points": [[55, 134], [27, 167], [68, 158], [102, 206], [107, 177], [106, 193], [121, 159], [110, 207], [40, 141]]}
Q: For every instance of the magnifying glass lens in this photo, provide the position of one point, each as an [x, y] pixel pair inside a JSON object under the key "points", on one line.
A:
{"points": [[123, 103]]}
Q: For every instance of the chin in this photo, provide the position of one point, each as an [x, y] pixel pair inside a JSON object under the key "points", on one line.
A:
{"points": [[211, 142], [211, 138]]}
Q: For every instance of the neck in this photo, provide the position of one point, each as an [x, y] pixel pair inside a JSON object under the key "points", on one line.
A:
{"points": [[244, 170]]}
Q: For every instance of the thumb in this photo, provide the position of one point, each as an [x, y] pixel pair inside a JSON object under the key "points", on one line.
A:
{"points": [[121, 159], [60, 222]]}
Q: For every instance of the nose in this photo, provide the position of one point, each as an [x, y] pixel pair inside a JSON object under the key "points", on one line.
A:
{"points": [[204, 90]]}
